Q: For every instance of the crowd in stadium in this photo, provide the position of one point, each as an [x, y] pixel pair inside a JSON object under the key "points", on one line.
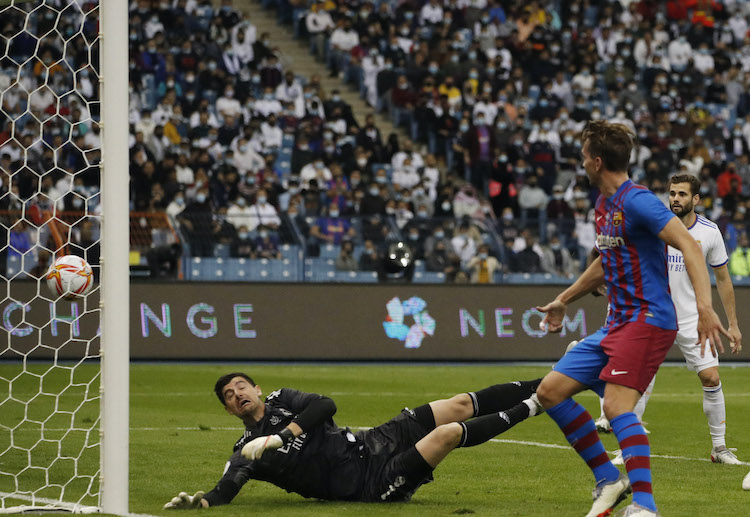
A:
{"points": [[246, 155]]}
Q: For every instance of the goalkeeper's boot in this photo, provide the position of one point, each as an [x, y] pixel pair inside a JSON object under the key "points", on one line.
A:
{"points": [[609, 495], [535, 407], [603, 425], [636, 510], [724, 455]]}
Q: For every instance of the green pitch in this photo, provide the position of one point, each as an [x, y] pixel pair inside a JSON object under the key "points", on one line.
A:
{"points": [[181, 438]]}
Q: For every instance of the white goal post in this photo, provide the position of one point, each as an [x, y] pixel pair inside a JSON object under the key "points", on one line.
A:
{"points": [[64, 189], [115, 288]]}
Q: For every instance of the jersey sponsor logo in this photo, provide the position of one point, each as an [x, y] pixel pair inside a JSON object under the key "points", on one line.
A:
{"points": [[295, 445], [617, 218], [395, 328], [274, 420], [618, 372], [604, 242]]}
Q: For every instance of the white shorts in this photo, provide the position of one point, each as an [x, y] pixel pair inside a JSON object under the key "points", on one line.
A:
{"points": [[692, 353]]}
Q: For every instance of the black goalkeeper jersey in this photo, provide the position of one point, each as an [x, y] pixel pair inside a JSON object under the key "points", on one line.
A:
{"points": [[325, 462]]}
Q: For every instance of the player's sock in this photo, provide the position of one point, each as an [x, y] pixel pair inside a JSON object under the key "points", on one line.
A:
{"points": [[640, 406], [580, 431], [637, 455], [502, 396], [716, 412], [479, 430]]}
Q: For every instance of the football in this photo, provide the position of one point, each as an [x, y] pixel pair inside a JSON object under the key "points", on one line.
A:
{"points": [[70, 277]]}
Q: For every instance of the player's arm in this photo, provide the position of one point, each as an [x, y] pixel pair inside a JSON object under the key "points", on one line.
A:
{"points": [[590, 280], [726, 293], [710, 328], [312, 410], [238, 471]]}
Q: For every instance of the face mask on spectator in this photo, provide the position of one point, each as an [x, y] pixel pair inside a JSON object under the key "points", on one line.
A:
{"points": [[446, 206], [374, 191], [250, 179], [422, 213], [480, 121], [242, 235], [568, 139], [179, 200], [414, 236], [361, 162], [241, 201], [546, 126], [464, 127], [433, 69], [200, 198], [595, 115], [483, 256], [454, 58], [380, 179], [502, 125], [439, 234], [263, 234], [255, 79]]}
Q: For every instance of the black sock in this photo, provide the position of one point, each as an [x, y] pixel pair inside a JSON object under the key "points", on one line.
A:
{"points": [[502, 396], [479, 430]]}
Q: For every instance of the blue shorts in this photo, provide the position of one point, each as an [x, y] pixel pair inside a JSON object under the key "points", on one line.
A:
{"points": [[584, 362]]}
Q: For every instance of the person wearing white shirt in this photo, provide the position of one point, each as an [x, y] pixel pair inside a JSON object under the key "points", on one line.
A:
{"points": [[239, 214], [405, 176], [243, 37], [268, 104], [506, 58], [315, 170], [738, 24], [146, 125], [432, 13], [463, 245], [290, 89], [246, 159], [703, 60], [227, 104], [680, 52], [263, 213], [398, 159], [177, 205], [487, 108], [584, 80], [372, 64], [344, 38], [430, 176], [185, 174], [152, 26], [272, 133], [644, 50], [318, 23]]}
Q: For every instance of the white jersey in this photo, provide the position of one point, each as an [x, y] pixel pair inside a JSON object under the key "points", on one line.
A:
{"points": [[709, 237]]}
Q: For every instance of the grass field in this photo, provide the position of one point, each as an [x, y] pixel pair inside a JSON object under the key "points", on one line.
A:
{"points": [[181, 438]]}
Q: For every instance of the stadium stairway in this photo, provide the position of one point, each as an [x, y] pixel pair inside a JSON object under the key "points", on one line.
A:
{"points": [[296, 56]]}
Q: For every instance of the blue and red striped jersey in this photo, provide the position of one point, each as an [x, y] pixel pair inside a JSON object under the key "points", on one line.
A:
{"points": [[634, 258]]}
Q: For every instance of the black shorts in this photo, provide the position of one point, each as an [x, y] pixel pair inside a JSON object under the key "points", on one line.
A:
{"points": [[394, 468]]}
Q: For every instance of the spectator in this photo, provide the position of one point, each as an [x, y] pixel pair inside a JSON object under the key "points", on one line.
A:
{"points": [[483, 267], [332, 229], [442, 260], [243, 245], [263, 213], [463, 245], [533, 203], [370, 259], [266, 244], [528, 258], [346, 261], [556, 259]]}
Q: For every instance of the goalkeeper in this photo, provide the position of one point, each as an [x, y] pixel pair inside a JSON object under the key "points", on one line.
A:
{"points": [[292, 441]]}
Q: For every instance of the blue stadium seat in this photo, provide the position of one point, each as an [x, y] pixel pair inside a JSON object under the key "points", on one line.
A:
{"points": [[419, 266], [428, 277], [329, 251]]}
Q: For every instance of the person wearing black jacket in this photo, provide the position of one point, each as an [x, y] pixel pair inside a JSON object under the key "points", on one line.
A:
{"points": [[291, 440]]}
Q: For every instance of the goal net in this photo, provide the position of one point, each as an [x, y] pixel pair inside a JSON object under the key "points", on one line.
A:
{"points": [[50, 206]]}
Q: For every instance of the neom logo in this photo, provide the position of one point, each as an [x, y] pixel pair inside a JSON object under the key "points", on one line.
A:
{"points": [[395, 328]]}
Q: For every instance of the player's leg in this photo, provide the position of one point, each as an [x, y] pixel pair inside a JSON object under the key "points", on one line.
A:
{"points": [[444, 438], [640, 407], [635, 350], [492, 399]]}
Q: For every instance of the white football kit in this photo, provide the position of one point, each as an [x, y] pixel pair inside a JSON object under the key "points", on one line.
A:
{"points": [[709, 237]]}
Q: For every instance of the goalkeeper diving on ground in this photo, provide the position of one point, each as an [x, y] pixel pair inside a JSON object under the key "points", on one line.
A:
{"points": [[291, 440]]}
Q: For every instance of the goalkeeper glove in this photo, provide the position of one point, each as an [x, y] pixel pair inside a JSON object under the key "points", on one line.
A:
{"points": [[183, 501], [254, 449]]}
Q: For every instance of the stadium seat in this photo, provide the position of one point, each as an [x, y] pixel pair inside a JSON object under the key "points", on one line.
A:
{"points": [[428, 277]]}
